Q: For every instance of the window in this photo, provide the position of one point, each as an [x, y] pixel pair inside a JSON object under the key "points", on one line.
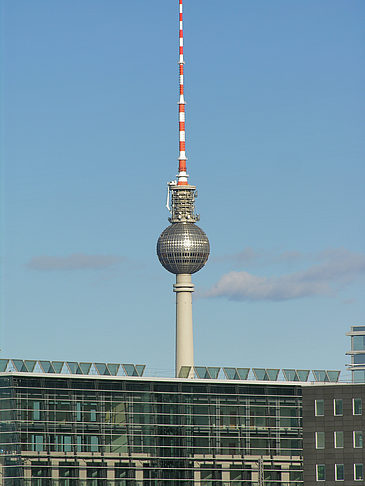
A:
{"points": [[359, 376], [338, 439], [295, 474], [68, 474], [358, 343], [63, 443], [319, 408], [357, 406], [320, 472], [320, 440], [37, 443], [358, 472], [36, 410], [339, 472], [357, 436], [337, 406]]}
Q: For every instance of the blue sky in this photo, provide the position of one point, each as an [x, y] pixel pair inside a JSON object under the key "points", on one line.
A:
{"points": [[275, 144]]}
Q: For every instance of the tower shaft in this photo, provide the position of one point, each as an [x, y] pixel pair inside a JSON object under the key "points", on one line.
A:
{"points": [[184, 323]]}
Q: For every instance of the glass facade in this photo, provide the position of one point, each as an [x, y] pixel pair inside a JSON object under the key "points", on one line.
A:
{"points": [[146, 432], [357, 353]]}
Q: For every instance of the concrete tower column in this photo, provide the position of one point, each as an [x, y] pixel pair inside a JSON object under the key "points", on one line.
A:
{"points": [[184, 322]]}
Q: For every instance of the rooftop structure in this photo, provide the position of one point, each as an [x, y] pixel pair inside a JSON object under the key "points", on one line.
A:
{"points": [[199, 372]]}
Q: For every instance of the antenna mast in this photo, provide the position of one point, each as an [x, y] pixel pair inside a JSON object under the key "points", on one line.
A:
{"points": [[183, 248], [182, 177]]}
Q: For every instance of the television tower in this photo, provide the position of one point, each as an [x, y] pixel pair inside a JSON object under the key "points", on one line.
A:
{"points": [[183, 248]]}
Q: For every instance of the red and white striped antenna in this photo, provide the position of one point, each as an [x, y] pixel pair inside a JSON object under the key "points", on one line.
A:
{"points": [[182, 177]]}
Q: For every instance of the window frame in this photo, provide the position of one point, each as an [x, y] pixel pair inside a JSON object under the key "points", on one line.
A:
{"points": [[336, 472], [316, 436], [362, 469], [339, 400], [335, 441], [316, 408], [353, 406], [354, 440], [324, 471]]}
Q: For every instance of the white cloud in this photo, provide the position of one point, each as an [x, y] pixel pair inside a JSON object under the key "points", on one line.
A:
{"points": [[338, 268], [76, 261]]}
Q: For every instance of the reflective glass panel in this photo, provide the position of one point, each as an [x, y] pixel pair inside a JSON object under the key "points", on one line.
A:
{"points": [[260, 374], [272, 374], [113, 368], [184, 371], [213, 372], [3, 364], [333, 376], [320, 375], [359, 376], [243, 373], [140, 369], [290, 375], [358, 343], [303, 375], [30, 364], [57, 365], [231, 373], [359, 359]]}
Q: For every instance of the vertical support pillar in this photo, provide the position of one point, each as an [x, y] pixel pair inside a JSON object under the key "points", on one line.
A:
{"points": [[184, 323]]}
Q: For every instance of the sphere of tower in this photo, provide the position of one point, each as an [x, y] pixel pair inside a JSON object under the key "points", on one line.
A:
{"points": [[183, 248]]}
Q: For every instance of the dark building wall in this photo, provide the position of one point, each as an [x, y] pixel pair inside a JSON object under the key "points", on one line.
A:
{"points": [[329, 423]]}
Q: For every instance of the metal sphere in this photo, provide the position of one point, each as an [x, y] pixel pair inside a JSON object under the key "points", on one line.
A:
{"points": [[183, 248]]}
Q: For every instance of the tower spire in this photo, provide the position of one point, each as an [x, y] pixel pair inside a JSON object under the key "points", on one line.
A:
{"points": [[182, 177], [183, 248]]}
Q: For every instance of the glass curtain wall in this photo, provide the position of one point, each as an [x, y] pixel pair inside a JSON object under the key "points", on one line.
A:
{"points": [[148, 431]]}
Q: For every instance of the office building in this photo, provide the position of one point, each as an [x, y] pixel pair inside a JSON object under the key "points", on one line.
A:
{"points": [[62, 425]]}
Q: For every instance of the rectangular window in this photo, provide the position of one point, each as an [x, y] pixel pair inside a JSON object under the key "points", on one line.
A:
{"points": [[37, 443], [358, 343], [338, 406], [320, 440], [358, 439], [320, 472], [36, 410], [357, 406], [338, 439], [339, 472], [319, 408], [358, 472]]}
